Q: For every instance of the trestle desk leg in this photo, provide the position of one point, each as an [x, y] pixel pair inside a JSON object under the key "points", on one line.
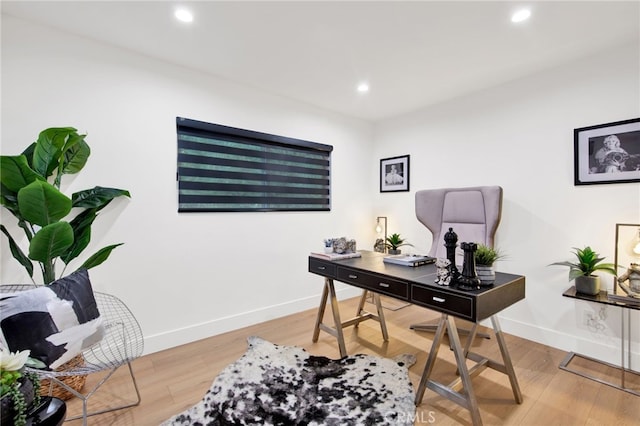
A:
{"points": [[506, 358], [383, 323]]}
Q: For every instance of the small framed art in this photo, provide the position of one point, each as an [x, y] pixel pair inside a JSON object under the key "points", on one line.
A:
{"points": [[394, 174], [607, 153]]}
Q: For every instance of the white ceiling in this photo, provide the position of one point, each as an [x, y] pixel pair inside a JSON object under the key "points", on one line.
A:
{"points": [[412, 54]]}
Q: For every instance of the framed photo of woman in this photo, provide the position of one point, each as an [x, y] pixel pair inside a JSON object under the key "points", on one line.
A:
{"points": [[607, 153], [394, 174]]}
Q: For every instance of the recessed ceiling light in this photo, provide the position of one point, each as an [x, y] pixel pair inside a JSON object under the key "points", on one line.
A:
{"points": [[184, 15], [521, 15], [363, 87]]}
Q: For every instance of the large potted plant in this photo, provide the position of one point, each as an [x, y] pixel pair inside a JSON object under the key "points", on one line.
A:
{"points": [[30, 190], [588, 262], [394, 241]]}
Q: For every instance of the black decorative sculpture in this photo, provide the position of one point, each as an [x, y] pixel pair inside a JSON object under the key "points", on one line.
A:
{"points": [[451, 242], [469, 278]]}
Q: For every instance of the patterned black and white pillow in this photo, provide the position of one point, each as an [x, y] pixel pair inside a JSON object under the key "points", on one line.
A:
{"points": [[55, 322]]}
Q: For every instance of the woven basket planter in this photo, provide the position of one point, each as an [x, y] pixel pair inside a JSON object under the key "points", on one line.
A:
{"points": [[74, 382]]}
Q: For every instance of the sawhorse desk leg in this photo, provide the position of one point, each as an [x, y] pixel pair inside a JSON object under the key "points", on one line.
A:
{"points": [[329, 292], [460, 390]]}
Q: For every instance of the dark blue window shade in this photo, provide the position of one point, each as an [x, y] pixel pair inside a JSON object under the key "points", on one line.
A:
{"points": [[223, 168]]}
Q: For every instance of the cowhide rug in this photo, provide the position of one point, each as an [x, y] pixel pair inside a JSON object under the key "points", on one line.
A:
{"points": [[282, 385]]}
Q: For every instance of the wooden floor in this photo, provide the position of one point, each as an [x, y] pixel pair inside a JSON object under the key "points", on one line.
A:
{"points": [[173, 380]]}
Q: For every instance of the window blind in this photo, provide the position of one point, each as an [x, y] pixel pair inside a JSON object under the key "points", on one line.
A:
{"points": [[223, 168]]}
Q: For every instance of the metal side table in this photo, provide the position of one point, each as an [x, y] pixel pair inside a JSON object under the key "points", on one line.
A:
{"points": [[603, 298]]}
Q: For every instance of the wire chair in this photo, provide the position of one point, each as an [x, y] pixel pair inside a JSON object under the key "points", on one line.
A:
{"points": [[122, 343]]}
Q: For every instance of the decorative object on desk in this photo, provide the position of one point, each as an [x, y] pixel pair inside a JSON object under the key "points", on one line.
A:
{"points": [[277, 384], [394, 174], [328, 245], [607, 153], [379, 245], [394, 241], [342, 245], [443, 272], [633, 276], [485, 258], [627, 250], [409, 259], [468, 279], [588, 262], [450, 243], [18, 389], [41, 209], [336, 256]]}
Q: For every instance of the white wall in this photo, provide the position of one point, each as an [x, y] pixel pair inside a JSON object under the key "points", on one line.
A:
{"points": [[186, 276], [520, 136]]}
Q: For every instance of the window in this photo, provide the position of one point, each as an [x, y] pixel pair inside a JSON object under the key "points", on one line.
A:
{"points": [[223, 168]]}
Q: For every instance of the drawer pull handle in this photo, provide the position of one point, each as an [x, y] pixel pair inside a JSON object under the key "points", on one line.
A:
{"points": [[438, 299], [353, 277], [322, 268], [385, 285]]}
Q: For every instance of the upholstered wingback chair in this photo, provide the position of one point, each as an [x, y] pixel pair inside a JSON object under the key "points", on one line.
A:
{"points": [[474, 214]]}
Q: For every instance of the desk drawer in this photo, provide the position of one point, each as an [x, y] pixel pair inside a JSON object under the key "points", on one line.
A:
{"points": [[395, 288], [322, 267], [457, 305]]}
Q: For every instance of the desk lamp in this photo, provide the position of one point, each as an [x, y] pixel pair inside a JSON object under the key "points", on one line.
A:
{"points": [[379, 229]]}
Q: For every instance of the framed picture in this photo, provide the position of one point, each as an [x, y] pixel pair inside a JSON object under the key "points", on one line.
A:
{"points": [[394, 174], [627, 253], [607, 153]]}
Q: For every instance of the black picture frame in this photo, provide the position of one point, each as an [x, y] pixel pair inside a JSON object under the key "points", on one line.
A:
{"points": [[607, 153], [394, 174]]}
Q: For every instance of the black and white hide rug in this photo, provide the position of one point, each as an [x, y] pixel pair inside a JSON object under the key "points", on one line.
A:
{"points": [[283, 385]]}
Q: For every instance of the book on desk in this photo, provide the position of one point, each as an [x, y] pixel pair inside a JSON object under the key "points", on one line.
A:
{"points": [[336, 256], [409, 259]]}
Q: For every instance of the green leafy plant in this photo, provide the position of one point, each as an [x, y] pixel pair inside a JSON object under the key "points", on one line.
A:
{"points": [[588, 261], [30, 190], [395, 240], [486, 255]]}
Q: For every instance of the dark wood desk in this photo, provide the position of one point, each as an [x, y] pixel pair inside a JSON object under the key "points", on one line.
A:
{"points": [[416, 285]]}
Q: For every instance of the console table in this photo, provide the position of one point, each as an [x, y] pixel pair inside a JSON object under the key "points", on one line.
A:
{"points": [[416, 285], [603, 298]]}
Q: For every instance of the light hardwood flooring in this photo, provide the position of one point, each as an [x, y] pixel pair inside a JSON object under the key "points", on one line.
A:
{"points": [[173, 380]]}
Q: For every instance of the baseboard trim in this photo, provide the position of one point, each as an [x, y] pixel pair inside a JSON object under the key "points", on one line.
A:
{"points": [[569, 343], [181, 336]]}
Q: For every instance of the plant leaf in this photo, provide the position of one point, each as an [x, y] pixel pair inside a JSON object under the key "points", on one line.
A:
{"points": [[51, 241], [48, 148], [98, 197], [81, 226], [41, 203], [17, 252], [73, 158], [100, 256], [15, 173]]}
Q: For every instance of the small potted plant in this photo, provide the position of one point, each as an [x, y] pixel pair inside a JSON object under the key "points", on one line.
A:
{"points": [[485, 257], [394, 241], [588, 262], [18, 390]]}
